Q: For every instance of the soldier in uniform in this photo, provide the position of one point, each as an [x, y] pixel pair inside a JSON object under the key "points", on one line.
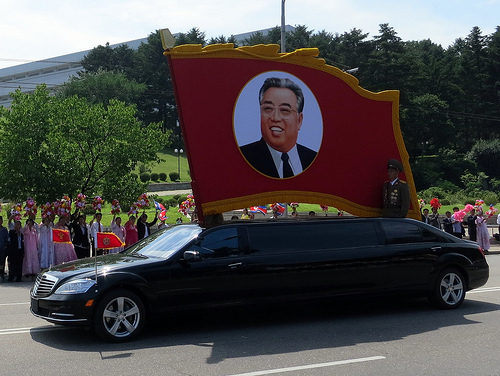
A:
{"points": [[396, 192]]}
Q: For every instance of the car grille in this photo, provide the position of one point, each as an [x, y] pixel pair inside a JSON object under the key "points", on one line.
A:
{"points": [[44, 285]]}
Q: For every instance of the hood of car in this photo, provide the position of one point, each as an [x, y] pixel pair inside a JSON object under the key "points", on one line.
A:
{"points": [[86, 268]]}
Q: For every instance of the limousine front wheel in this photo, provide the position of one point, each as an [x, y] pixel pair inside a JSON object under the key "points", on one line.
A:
{"points": [[449, 291], [119, 316]]}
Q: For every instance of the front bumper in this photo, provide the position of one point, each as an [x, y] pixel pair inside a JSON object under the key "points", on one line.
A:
{"points": [[72, 310]]}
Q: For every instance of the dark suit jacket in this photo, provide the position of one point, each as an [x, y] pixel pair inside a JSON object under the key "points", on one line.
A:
{"points": [[13, 250], [258, 155], [141, 228], [80, 238]]}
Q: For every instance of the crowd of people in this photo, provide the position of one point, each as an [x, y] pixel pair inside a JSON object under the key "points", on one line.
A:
{"points": [[476, 223], [29, 248]]}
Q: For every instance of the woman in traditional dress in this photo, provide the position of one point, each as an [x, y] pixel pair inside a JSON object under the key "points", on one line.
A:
{"points": [[31, 263], [483, 237], [45, 244], [131, 235], [118, 230], [63, 252]]}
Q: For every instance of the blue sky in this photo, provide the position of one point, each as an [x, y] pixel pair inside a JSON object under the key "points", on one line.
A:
{"points": [[32, 30]]}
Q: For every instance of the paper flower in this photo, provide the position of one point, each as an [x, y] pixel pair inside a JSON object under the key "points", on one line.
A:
{"points": [[63, 207], [435, 203], [97, 203], [491, 211], [16, 211], [459, 215], [46, 209], [186, 206], [142, 201], [133, 210], [421, 203], [468, 208], [115, 207], [30, 208], [80, 201], [479, 204]]}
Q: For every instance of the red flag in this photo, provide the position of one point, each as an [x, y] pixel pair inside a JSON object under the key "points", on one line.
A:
{"points": [[351, 132], [108, 240], [60, 236]]}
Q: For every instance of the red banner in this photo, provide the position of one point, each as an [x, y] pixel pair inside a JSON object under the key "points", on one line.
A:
{"points": [[344, 134], [60, 236], [108, 240]]}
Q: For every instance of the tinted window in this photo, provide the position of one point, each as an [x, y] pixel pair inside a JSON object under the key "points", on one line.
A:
{"points": [[401, 232], [219, 243], [165, 243], [311, 236], [429, 236]]}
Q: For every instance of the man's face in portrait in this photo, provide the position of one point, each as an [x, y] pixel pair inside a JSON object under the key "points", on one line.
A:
{"points": [[279, 120]]}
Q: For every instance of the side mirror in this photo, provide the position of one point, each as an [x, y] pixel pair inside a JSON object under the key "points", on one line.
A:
{"points": [[191, 256]]}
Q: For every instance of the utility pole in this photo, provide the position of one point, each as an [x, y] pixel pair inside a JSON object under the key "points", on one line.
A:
{"points": [[283, 35]]}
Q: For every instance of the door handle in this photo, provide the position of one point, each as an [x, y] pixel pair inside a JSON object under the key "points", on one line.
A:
{"points": [[235, 265], [434, 249]]}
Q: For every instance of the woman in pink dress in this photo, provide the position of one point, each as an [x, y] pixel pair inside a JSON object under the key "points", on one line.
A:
{"points": [[131, 235], [118, 230], [31, 264], [63, 252], [483, 236]]}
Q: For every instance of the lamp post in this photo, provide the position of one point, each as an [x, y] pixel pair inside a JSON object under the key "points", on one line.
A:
{"points": [[179, 152], [283, 31]]}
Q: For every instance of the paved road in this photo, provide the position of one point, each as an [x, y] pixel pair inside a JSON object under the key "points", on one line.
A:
{"points": [[356, 338]]}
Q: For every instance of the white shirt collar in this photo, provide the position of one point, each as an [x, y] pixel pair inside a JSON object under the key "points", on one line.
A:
{"points": [[294, 160]]}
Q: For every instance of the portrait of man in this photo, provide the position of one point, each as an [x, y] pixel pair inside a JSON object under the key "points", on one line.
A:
{"points": [[277, 154]]}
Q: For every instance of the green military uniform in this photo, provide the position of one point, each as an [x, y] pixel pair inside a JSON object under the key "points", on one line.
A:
{"points": [[396, 196], [396, 199]]}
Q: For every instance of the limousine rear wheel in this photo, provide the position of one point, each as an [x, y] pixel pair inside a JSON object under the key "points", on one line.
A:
{"points": [[449, 291], [119, 316]]}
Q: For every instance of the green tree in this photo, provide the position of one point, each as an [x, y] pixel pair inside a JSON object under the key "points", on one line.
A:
{"points": [[486, 154], [118, 59], [193, 36], [222, 40], [157, 104], [102, 86], [52, 146]]}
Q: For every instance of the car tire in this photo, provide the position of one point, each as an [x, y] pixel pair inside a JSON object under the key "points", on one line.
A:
{"points": [[449, 290], [119, 316]]}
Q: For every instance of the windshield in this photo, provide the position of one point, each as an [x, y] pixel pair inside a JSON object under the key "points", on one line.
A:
{"points": [[165, 243]]}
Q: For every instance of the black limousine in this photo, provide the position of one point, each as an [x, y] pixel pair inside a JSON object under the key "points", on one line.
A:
{"points": [[187, 266]]}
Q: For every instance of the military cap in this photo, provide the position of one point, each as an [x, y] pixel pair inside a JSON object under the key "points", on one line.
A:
{"points": [[394, 163]]}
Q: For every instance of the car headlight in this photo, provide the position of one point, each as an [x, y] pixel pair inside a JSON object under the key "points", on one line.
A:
{"points": [[78, 286]]}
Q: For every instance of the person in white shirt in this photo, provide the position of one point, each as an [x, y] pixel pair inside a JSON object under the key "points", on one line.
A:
{"points": [[95, 227]]}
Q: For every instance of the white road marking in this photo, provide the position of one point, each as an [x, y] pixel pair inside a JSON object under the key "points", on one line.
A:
{"points": [[9, 304], [310, 366], [30, 330], [484, 289]]}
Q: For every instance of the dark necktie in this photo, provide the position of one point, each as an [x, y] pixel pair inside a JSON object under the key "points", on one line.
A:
{"points": [[287, 169]]}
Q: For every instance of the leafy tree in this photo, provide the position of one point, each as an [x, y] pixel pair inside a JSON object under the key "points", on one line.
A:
{"points": [[486, 154], [298, 38], [193, 36], [222, 40], [52, 146], [102, 86], [119, 59], [157, 104], [256, 38]]}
